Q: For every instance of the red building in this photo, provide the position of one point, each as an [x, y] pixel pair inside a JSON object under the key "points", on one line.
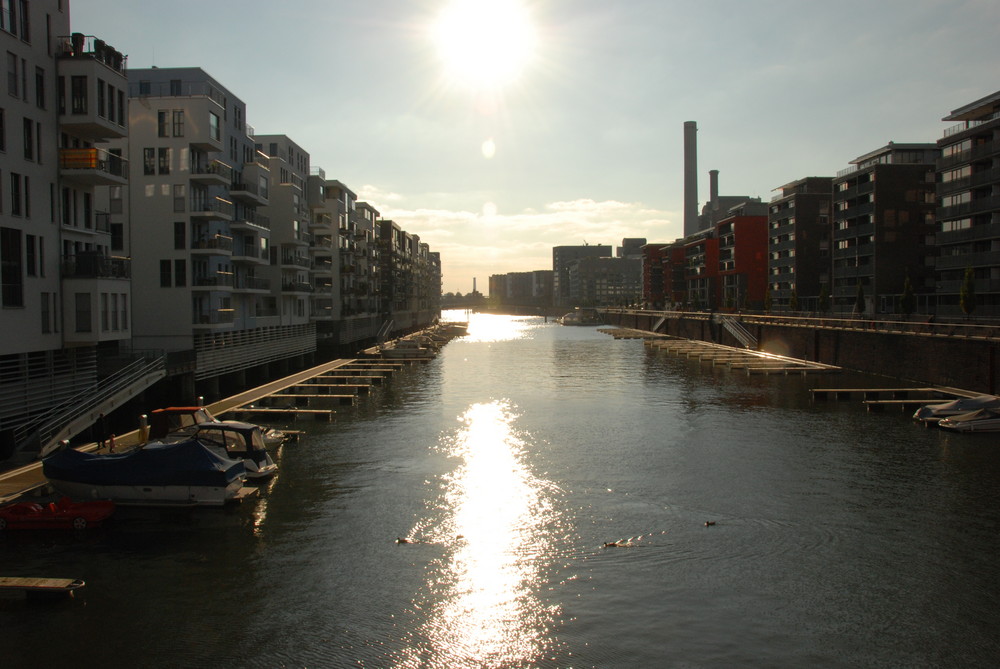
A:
{"points": [[742, 253]]}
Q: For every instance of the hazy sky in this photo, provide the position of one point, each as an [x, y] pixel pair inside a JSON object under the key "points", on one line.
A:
{"points": [[496, 147]]}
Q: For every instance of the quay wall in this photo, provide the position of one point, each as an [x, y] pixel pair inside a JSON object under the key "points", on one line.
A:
{"points": [[953, 356]]}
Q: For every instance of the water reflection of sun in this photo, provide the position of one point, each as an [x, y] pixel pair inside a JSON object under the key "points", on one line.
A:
{"points": [[491, 327], [485, 607]]}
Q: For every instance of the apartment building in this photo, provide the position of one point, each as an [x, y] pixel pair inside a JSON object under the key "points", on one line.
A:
{"points": [[883, 226], [798, 263], [968, 218], [286, 215], [194, 212], [562, 258], [65, 293], [742, 256]]}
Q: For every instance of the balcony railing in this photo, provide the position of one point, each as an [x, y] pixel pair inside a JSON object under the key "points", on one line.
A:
{"points": [[214, 168], [93, 266], [94, 159]]}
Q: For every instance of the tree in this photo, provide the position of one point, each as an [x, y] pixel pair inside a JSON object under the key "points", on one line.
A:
{"points": [[967, 293], [793, 301], [907, 302], [824, 298], [859, 301]]}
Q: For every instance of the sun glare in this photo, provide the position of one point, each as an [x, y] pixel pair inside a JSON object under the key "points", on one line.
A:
{"points": [[484, 44]]}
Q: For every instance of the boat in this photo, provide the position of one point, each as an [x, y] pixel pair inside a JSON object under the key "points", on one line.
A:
{"points": [[238, 441], [183, 420], [980, 420], [180, 473], [581, 317], [932, 413], [63, 514], [405, 348]]}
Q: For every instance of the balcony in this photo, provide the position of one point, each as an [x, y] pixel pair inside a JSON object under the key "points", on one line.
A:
{"points": [[90, 265], [215, 173], [251, 284], [213, 281], [296, 261], [247, 189], [249, 255], [213, 208], [94, 167], [211, 319], [215, 245], [253, 222], [89, 112], [296, 287]]}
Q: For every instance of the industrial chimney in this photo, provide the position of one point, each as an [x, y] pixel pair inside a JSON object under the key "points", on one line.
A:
{"points": [[690, 178]]}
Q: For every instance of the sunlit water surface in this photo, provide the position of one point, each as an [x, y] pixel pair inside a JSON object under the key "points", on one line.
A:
{"points": [[458, 518]]}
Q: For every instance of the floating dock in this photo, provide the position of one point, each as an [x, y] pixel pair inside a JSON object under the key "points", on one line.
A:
{"points": [[46, 587], [751, 362]]}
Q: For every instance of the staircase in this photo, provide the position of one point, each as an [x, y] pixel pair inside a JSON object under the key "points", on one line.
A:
{"points": [[75, 415], [736, 329]]}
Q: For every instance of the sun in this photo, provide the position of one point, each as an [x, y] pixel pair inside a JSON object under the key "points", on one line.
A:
{"points": [[484, 44]]}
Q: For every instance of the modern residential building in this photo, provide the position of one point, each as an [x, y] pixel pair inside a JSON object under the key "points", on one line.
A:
{"points": [[195, 214], [883, 227], [65, 293], [598, 281], [968, 218], [798, 265], [742, 242], [562, 258]]}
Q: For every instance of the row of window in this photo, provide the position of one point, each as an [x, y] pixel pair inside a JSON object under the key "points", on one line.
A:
{"points": [[14, 18], [114, 312]]}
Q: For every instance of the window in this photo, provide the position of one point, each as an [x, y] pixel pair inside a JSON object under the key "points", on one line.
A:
{"points": [[143, 88], [164, 160], [104, 312], [180, 273], [78, 95], [83, 312], [30, 255], [175, 87], [124, 312], [15, 193], [114, 311], [179, 198], [148, 161], [12, 74], [11, 270], [3, 131], [164, 274], [117, 237], [46, 313], [162, 125], [40, 88], [29, 139], [180, 239], [178, 119], [214, 129]]}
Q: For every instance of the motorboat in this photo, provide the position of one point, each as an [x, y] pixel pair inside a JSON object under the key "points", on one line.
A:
{"points": [[238, 441], [980, 420], [184, 420], [581, 317], [178, 473], [61, 514], [932, 413]]}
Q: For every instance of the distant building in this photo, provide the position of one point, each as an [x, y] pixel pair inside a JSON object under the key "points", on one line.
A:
{"points": [[883, 223], [603, 281], [799, 242], [631, 247], [562, 258], [968, 219]]}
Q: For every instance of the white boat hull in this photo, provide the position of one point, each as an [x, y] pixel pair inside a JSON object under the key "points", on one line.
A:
{"points": [[179, 495]]}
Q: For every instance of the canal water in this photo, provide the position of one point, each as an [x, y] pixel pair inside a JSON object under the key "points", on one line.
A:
{"points": [[756, 528]]}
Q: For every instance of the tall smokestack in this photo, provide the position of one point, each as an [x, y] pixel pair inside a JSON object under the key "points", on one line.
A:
{"points": [[713, 188], [690, 178]]}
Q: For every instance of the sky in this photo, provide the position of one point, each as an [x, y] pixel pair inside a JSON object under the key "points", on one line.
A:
{"points": [[497, 129]]}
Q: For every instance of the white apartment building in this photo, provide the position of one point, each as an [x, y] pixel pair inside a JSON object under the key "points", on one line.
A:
{"points": [[65, 287], [194, 213]]}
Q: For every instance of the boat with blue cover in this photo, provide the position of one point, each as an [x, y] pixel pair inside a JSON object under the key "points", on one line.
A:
{"points": [[183, 473]]}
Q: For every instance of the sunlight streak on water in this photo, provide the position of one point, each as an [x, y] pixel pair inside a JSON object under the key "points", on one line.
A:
{"points": [[492, 328], [486, 608]]}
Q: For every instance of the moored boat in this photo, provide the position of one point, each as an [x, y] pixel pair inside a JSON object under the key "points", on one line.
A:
{"points": [[184, 420], [932, 413], [980, 420], [239, 441], [183, 473], [405, 348], [61, 514]]}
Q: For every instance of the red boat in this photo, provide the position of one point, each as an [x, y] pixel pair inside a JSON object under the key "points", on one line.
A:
{"points": [[64, 514]]}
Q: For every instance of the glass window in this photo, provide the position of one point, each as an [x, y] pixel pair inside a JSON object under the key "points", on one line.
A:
{"points": [[78, 95], [162, 129], [178, 123], [180, 273], [214, 128], [83, 312], [148, 161], [164, 160], [164, 274], [40, 88], [180, 238], [11, 269]]}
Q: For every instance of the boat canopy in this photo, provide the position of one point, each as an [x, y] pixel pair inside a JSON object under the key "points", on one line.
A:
{"points": [[182, 463]]}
